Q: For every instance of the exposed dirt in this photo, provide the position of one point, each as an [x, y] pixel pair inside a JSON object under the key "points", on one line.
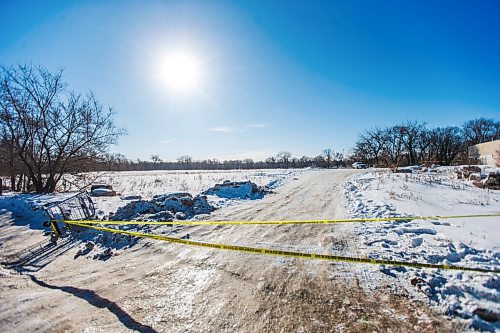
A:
{"points": [[163, 287]]}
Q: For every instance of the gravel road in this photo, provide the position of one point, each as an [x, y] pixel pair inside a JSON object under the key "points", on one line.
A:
{"points": [[156, 286]]}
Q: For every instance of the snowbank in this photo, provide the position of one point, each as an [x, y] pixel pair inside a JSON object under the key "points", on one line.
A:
{"points": [[28, 208], [468, 243]]}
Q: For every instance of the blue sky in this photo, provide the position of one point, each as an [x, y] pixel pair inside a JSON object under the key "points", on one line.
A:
{"points": [[298, 76]]}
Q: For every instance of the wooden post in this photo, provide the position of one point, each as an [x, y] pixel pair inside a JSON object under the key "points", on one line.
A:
{"points": [[1, 186]]}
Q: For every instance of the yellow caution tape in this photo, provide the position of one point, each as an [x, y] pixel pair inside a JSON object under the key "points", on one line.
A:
{"points": [[330, 221], [292, 254]]}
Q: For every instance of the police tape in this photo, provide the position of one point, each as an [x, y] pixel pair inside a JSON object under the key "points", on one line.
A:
{"points": [[327, 221], [292, 254]]}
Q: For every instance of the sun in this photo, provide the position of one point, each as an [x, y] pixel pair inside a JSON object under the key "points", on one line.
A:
{"points": [[180, 71]]}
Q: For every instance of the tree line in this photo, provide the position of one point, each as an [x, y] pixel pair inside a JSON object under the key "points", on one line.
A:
{"points": [[412, 142], [282, 160]]}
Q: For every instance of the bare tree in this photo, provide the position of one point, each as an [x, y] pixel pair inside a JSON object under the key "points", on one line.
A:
{"points": [[393, 146], [423, 145], [185, 161], [446, 144], [112, 162], [370, 145], [284, 158], [411, 134], [156, 159], [481, 130], [338, 158], [328, 156], [50, 129], [10, 164], [305, 161]]}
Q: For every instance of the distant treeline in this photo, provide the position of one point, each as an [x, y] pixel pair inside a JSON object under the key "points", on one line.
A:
{"points": [[19, 180], [412, 142], [284, 160]]}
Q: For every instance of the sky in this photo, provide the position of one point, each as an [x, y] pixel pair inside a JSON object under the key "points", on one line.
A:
{"points": [[270, 76]]}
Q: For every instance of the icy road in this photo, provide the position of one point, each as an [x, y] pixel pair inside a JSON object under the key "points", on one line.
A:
{"points": [[157, 286]]}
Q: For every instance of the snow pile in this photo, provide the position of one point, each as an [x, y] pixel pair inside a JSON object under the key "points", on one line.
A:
{"points": [[474, 297], [278, 179], [27, 208], [103, 242], [131, 197], [237, 190], [164, 207]]}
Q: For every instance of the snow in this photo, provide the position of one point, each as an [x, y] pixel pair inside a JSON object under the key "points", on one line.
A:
{"points": [[162, 195], [169, 194], [147, 184], [461, 242], [237, 190], [30, 207], [164, 207]]}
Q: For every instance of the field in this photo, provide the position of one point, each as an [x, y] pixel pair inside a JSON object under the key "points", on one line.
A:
{"points": [[156, 286], [150, 183]]}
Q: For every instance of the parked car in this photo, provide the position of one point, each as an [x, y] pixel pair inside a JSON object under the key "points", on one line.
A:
{"points": [[102, 190], [359, 165]]}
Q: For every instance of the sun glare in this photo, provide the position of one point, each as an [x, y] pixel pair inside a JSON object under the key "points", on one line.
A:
{"points": [[180, 71]]}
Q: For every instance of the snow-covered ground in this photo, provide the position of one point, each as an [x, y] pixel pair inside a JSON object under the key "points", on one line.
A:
{"points": [[305, 194], [473, 242], [150, 183]]}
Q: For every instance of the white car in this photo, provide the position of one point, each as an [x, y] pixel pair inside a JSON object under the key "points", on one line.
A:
{"points": [[359, 165], [102, 190]]}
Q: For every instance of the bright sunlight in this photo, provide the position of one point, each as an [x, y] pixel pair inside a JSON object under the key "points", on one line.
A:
{"points": [[180, 71]]}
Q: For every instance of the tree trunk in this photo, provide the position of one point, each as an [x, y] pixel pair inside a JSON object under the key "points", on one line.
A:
{"points": [[19, 184], [12, 173]]}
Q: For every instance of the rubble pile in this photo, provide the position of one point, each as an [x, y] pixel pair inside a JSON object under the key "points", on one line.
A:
{"points": [[491, 182], [237, 190], [468, 172], [164, 207]]}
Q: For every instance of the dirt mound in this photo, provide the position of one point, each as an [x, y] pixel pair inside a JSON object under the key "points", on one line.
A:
{"points": [[237, 190], [465, 172], [492, 181]]}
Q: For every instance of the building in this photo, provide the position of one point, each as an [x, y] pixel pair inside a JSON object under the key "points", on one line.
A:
{"points": [[487, 152]]}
